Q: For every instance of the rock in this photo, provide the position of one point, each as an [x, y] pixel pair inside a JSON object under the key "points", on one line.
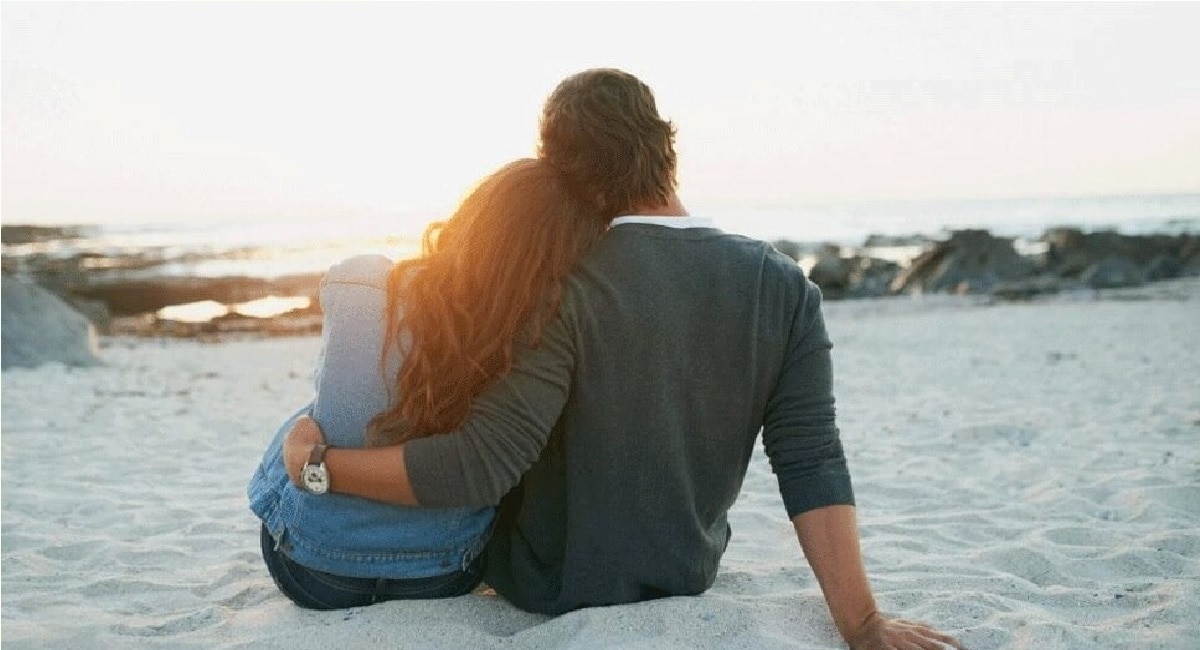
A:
{"points": [[1071, 252], [871, 277], [140, 325], [831, 273], [1113, 273], [39, 327], [297, 322], [857, 276], [93, 310], [26, 234], [896, 241], [131, 297], [234, 322], [1189, 257], [971, 261], [1162, 267], [1041, 285], [789, 248], [298, 325]]}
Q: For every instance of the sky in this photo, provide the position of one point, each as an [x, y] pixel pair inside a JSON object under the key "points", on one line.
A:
{"points": [[194, 111]]}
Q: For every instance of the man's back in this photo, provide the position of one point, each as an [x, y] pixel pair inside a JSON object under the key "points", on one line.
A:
{"points": [[685, 341]]}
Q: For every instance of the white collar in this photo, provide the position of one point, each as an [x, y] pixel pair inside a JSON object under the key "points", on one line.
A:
{"points": [[668, 222]]}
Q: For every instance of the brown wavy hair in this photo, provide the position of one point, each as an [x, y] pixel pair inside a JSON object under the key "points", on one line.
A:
{"points": [[488, 275], [602, 129]]}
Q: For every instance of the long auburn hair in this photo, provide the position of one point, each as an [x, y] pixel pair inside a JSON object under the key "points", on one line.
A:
{"points": [[487, 276]]}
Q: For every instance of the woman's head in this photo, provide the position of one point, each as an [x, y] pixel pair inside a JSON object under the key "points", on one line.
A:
{"points": [[487, 275], [601, 127]]}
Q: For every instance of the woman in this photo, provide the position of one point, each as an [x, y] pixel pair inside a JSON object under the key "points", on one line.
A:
{"points": [[406, 347]]}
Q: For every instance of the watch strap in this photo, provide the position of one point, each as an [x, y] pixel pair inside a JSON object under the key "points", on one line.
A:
{"points": [[317, 455]]}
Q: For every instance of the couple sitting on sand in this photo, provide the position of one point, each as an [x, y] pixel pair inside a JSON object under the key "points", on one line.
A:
{"points": [[561, 395]]}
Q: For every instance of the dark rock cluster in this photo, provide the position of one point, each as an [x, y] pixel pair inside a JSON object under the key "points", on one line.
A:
{"points": [[855, 276], [978, 262], [28, 234]]}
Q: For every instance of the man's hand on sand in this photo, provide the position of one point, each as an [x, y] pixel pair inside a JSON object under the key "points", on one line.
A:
{"points": [[305, 433], [880, 632]]}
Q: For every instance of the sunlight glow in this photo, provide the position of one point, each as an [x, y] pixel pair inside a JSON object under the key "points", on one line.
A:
{"points": [[206, 310], [271, 306], [193, 312]]}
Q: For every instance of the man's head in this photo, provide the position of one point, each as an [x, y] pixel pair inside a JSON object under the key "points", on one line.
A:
{"points": [[602, 130]]}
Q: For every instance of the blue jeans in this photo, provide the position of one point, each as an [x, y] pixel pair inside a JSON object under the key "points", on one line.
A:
{"points": [[314, 589]]}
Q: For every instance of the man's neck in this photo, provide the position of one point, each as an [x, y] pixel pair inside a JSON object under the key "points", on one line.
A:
{"points": [[672, 208]]}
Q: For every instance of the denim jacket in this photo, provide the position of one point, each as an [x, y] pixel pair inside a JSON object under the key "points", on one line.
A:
{"points": [[345, 535]]}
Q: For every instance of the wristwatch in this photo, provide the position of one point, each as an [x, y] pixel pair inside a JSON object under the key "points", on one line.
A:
{"points": [[314, 478]]}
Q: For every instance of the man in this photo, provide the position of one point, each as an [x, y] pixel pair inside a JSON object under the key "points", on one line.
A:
{"points": [[620, 442]]}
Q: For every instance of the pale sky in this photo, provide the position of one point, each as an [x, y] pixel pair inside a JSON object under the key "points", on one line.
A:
{"points": [[192, 111]]}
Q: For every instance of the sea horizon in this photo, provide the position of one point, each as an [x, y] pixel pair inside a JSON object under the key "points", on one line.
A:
{"points": [[274, 247]]}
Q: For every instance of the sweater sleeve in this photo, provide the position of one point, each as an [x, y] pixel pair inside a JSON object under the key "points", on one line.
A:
{"points": [[508, 426], [799, 429]]}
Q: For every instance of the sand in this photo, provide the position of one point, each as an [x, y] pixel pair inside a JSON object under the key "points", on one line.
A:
{"points": [[1028, 476]]}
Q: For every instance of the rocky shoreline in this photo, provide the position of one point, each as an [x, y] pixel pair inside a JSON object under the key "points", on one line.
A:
{"points": [[977, 262], [129, 306], [122, 295]]}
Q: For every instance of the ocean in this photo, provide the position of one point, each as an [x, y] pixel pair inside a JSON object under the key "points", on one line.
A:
{"points": [[271, 249]]}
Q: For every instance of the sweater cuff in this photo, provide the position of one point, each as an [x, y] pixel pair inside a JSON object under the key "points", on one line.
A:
{"points": [[828, 487]]}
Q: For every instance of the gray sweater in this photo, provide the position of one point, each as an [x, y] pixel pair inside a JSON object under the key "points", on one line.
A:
{"points": [[628, 430]]}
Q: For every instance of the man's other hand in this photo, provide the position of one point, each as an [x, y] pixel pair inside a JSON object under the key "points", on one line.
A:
{"points": [[880, 632]]}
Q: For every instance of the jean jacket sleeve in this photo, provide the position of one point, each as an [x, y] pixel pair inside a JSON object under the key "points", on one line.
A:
{"points": [[354, 371]]}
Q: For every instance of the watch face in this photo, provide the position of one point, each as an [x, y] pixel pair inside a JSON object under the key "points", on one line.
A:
{"points": [[315, 478]]}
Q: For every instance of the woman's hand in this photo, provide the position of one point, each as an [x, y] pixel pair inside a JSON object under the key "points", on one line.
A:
{"points": [[880, 632], [304, 434]]}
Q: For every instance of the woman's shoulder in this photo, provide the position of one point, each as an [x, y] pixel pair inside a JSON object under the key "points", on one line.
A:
{"points": [[371, 270]]}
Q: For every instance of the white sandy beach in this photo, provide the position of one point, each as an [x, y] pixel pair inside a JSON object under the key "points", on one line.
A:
{"points": [[1028, 476]]}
